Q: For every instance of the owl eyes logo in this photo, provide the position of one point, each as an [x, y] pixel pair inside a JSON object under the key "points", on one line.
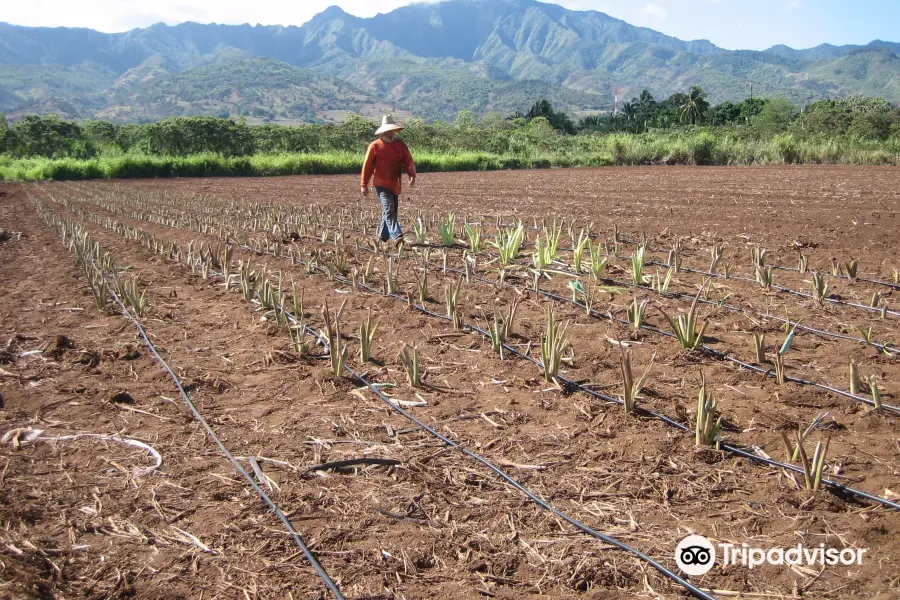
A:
{"points": [[695, 555]]}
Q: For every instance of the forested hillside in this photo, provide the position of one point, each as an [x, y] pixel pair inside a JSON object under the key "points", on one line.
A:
{"points": [[431, 60]]}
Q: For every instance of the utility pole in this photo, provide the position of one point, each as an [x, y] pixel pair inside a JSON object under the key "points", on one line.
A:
{"points": [[615, 108], [750, 83]]}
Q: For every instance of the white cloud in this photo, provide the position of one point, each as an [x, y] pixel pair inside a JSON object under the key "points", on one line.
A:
{"points": [[121, 15], [656, 11], [583, 5]]}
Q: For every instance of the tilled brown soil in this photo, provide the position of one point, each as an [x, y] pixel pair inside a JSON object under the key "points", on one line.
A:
{"points": [[78, 522]]}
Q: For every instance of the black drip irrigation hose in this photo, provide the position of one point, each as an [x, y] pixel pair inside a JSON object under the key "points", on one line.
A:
{"points": [[736, 277], [692, 589], [665, 419], [893, 286], [695, 591], [782, 289], [661, 417], [889, 284], [886, 348], [668, 420], [888, 408], [234, 462], [882, 347], [621, 240], [262, 494], [730, 307], [711, 351]]}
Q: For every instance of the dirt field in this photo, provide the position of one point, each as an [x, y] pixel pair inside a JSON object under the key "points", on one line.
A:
{"points": [[80, 520]]}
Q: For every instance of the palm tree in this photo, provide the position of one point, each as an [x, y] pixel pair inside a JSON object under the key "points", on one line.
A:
{"points": [[541, 108], [596, 123], [694, 106], [631, 116]]}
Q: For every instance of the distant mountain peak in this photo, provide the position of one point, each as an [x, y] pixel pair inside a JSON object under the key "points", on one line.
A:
{"points": [[334, 11], [331, 13]]}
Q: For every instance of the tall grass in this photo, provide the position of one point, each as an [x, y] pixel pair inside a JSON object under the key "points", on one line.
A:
{"points": [[679, 147], [215, 165], [197, 165]]}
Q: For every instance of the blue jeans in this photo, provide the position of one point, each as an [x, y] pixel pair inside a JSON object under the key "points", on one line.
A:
{"points": [[390, 226]]}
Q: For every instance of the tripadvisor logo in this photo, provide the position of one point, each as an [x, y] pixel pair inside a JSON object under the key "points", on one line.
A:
{"points": [[696, 555]]}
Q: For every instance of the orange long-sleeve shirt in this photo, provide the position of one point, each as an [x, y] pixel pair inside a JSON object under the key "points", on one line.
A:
{"points": [[387, 163]]}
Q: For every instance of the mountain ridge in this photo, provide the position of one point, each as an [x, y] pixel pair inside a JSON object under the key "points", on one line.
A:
{"points": [[510, 48]]}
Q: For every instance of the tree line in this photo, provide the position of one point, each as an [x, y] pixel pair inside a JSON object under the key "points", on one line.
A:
{"points": [[856, 117], [859, 117]]}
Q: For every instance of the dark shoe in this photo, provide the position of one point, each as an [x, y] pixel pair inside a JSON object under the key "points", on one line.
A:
{"points": [[378, 245]]}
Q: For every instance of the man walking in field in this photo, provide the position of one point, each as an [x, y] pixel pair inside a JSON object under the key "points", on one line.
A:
{"points": [[386, 159]]}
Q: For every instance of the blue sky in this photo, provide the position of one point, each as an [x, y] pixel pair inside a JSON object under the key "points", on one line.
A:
{"points": [[759, 24], [752, 24]]}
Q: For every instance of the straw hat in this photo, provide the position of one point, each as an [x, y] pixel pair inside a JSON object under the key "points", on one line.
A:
{"points": [[388, 124]]}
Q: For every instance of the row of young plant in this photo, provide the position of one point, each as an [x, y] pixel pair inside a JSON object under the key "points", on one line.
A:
{"points": [[104, 282], [510, 245], [509, 241], [545, 262], [846, 269], [292, 220], [686, 327], [275, 216], [104, 278], [261, 286], [553, 343]]}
